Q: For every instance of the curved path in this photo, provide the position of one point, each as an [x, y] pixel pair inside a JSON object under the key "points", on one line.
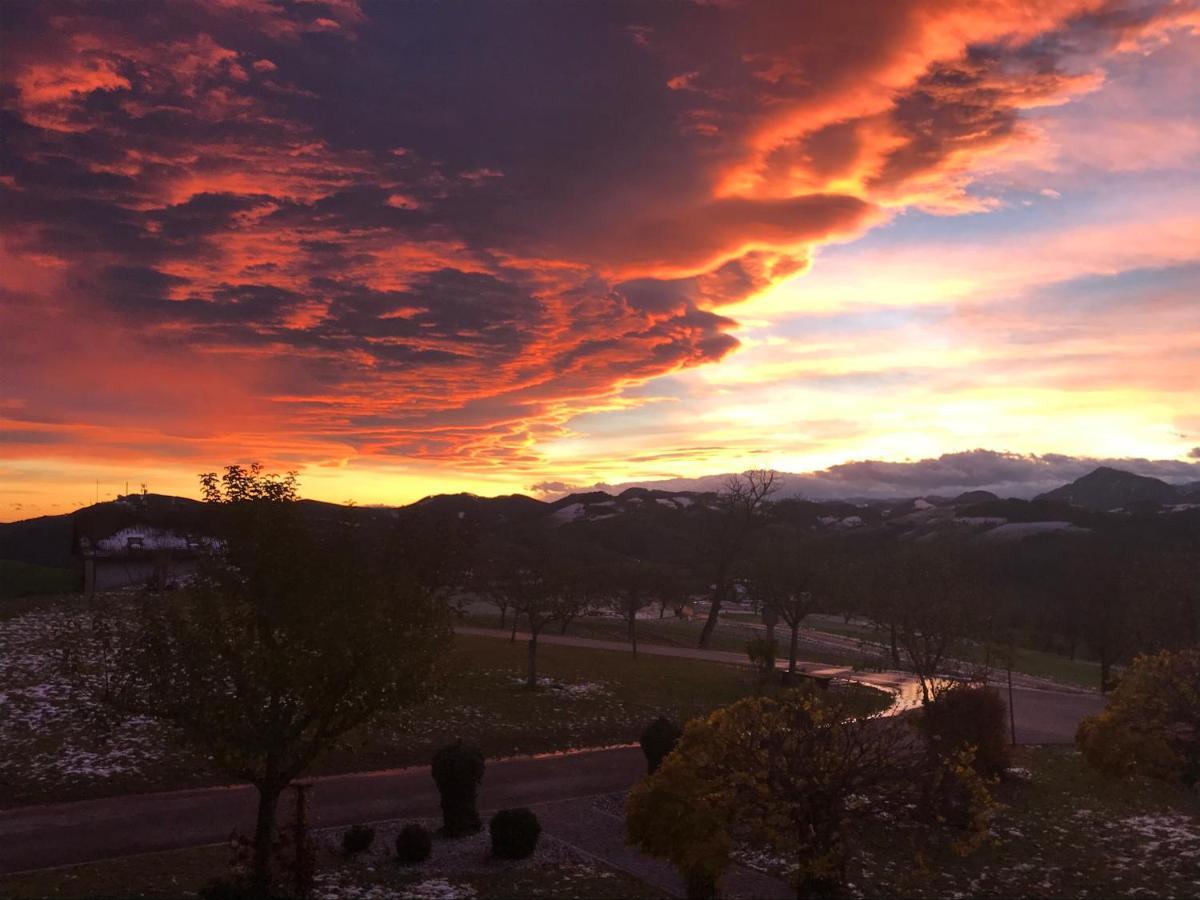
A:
{"points": [[62, 834], [1046, 712]]}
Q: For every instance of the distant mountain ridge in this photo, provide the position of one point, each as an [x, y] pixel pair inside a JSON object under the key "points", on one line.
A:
{"points": [[1103, 495], [1014, 475], [1108, 489]]}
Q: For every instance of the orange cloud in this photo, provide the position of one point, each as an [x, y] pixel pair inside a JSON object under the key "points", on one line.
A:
{"points": [[218, 242]]}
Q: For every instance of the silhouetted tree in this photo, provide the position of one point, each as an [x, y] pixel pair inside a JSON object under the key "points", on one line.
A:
{"points": [[932, 594], [786, 576], [543, 582], [632, 586], [1101, 584], [726, 531], [285, 642]]}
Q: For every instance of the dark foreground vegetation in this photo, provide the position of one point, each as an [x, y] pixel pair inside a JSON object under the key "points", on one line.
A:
{"points": [[298, 646], [1059, 829]]}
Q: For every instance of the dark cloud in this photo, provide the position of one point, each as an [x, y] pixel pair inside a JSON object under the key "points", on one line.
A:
{"points": [[1005, 474], [482, 224]]}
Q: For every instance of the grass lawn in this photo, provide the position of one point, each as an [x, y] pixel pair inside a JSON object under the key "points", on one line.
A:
{"points": [[178, 873], [18, 579], [673, 632], [1063, 669], [1065, 832], [56, 749]]}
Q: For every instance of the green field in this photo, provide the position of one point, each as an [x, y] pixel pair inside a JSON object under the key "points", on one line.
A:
{"points": [[18, 579], [56, 750], [1063, 669], [673, 632]]}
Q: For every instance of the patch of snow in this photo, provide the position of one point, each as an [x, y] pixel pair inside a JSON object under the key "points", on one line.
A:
{"points": [[148, 538], [576, 689], [1175, 833], [1015, 530], [568, 513], [52, 734], [921, 503], [437, 889]]}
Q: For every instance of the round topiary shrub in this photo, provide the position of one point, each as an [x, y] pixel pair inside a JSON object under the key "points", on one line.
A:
{"points": [[414, 843], [514, 833], [458, 771], [357, 839], [659, 739], [970, 716]]}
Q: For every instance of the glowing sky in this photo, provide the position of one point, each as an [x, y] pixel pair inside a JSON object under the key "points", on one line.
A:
{"points": [[410, 248]]}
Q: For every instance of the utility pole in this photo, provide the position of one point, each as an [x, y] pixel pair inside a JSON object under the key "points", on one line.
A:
{"points": [[1012, 718]]}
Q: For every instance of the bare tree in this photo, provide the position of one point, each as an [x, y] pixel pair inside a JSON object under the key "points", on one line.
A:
{"points": [[933, 595], [542, 584], [727, 530], [786, 577], [633, 586]]}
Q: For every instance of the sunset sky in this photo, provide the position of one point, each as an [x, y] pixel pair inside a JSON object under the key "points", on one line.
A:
{"points": [[411, 248]]}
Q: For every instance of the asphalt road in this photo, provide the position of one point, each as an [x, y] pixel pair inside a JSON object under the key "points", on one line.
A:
{"points": [[38, 837], [62, 834]]}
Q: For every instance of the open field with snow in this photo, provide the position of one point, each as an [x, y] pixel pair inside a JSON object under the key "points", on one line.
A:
{"points": [[1061, 830], [59, 745]]}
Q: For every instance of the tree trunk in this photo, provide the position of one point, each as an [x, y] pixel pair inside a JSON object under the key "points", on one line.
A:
{"points": [[633, 632], [503, 616], [531, 681], [895, 648], [264, 836], [699, 887], [792, 652], [1105, 671], [714, 612], [513, 637]]}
